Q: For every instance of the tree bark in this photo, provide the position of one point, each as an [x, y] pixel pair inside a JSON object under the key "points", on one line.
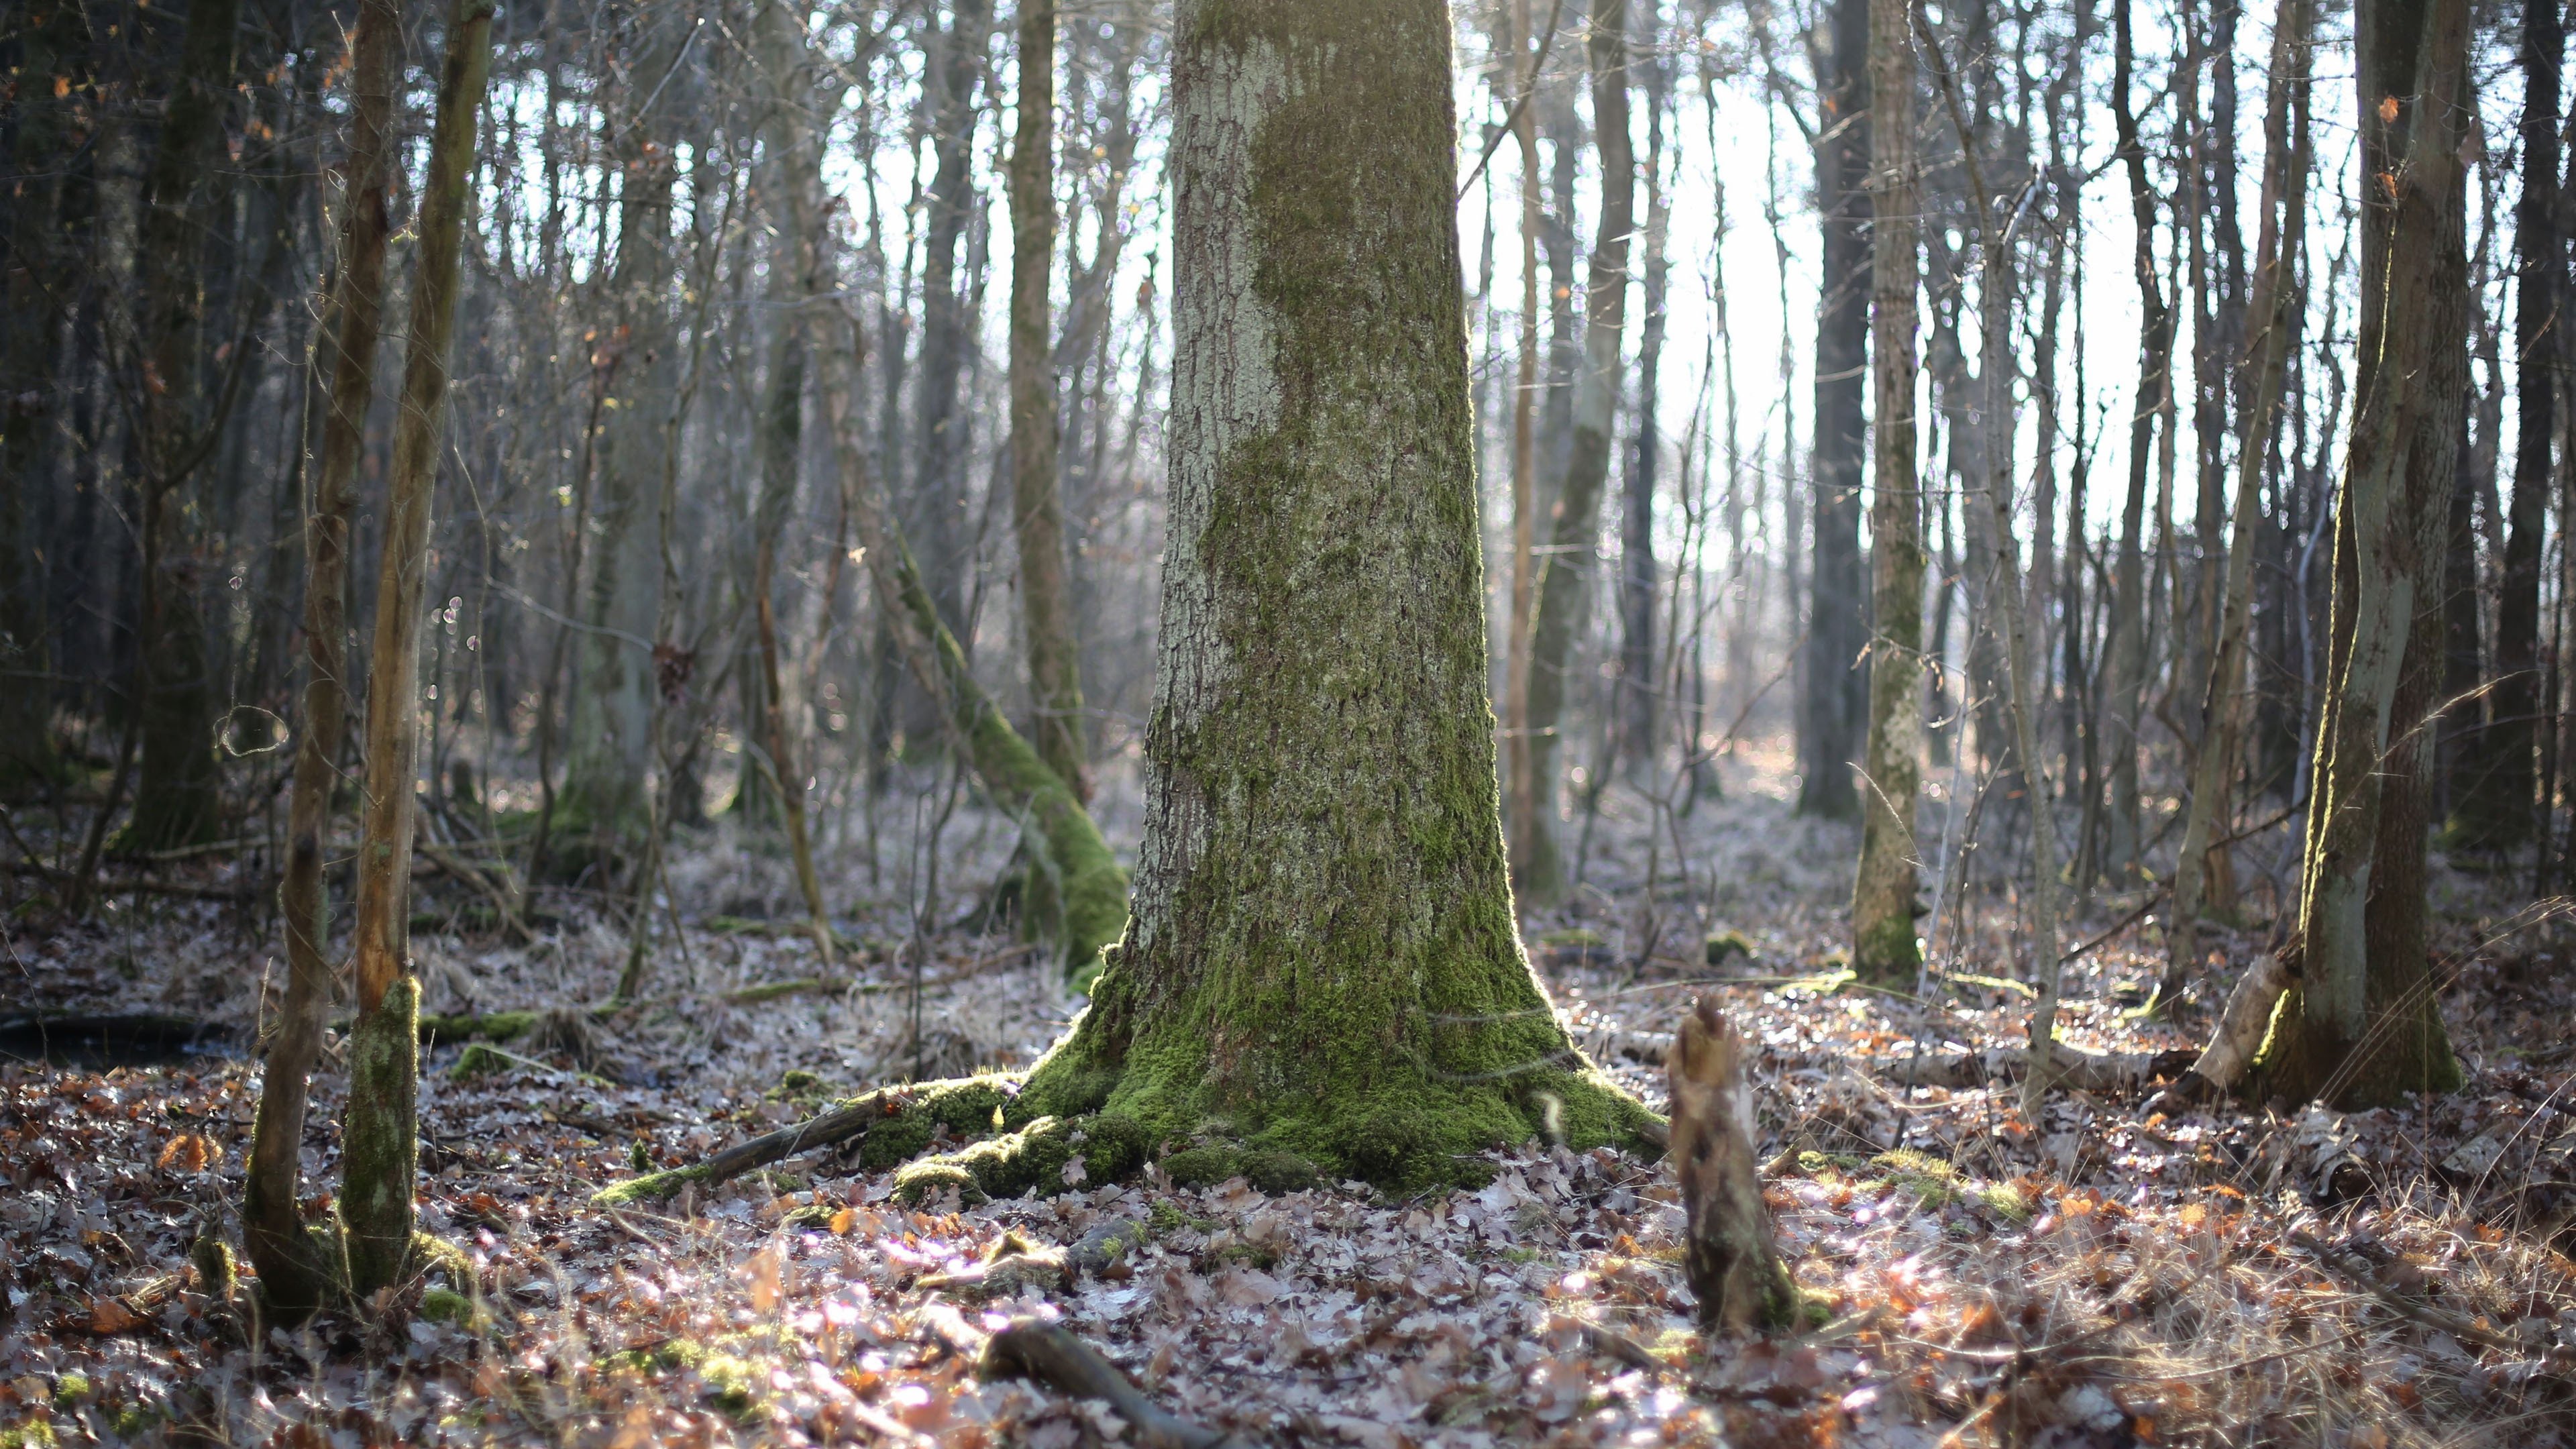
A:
{"points": [[1835, 703], [293, 1278], [1884, 894], [2127, 661], [1046, 613], [1518, 794], [177, 801], [381, 1142], [1638, 576], [1565, 580], [1085, 875], [2274, 315], [604, 803], [1323, 952], [2498, 813], [2361, 1025]]}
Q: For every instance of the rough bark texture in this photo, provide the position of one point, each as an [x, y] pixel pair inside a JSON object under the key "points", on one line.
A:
{"points": [[177, 801], [2265, 370], [1834, 706], [952, 79], [1046, 611], [292, 1278], [1323, 954], [1884, 906], [1565, 582], [375, 1199], [2362, 1025], [2498, 812]]}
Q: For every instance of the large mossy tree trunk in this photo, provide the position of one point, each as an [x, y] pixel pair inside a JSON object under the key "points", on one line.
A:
{"points": [[2361, 1025], [1884, 892], [178, 800], [1833, 707], [293, 1279], [379, 1136], [1323, 957]]}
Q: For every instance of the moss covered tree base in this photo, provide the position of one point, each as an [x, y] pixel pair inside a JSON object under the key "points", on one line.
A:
{"points": [[2405, 1051], [380, 1140]]}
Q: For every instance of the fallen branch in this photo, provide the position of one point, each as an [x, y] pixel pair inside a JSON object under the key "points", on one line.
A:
{"points": [[2083, 1070], [851, 1119], [147, 887], [1051, 1355]]}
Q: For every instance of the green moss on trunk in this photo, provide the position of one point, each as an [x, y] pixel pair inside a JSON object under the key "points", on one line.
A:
{"points": [[380, 1144]]}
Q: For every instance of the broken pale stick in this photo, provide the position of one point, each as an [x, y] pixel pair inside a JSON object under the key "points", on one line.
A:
{"points": [[1051, 1355]]}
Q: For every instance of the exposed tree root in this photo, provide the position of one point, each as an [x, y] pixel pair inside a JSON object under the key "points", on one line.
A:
{"points": [[1051, 1355]]}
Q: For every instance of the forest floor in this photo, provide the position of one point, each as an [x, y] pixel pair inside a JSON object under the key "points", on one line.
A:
{"points": [[2242, 1275]]}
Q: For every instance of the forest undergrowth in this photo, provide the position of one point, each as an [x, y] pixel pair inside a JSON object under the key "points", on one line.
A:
{"points": [[2233, 1275]]}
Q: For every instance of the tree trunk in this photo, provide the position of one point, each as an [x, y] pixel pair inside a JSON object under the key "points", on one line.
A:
{"points": [[1638, 577], [782, 435], [2274, 315], [293, 1278], [1565, 582], [381, 1142], [2498, 813], [2361, 1025], [939, 486], [1046, 613], [2127, 663], [30, 394], [177, 802], [1884, 894], [1323, 952], [1837, 698], [1085, 877], [611, 736], [1518, 793]]}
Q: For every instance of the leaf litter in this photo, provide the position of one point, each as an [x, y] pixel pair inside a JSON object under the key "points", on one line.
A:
{"points": [[2242, 1274]]}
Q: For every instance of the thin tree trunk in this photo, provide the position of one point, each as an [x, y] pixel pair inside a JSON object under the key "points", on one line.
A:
{"points": [[2499, 813], [1835, 705], [2274, 316], [1638, 578], [1885, 893], [1086, 876], [293, 1279], [381, 1143], [1565, 583], [1046, 618], [1517, 791], [2126, 691], [177, 801]]}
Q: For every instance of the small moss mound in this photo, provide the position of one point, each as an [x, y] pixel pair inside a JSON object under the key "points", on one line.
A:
{"points": [[446, 1305], [216, 1270]]}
